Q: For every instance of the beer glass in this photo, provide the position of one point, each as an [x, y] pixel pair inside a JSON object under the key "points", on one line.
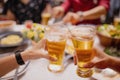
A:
{"points": [[56, 41], [45, 18], [116, 21], [83, 39]]}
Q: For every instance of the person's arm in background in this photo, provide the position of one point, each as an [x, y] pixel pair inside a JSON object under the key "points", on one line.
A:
{"points": [[91, 14], [96, 12], [7, 13], [48, 9], [8, 16], [59, 11], [9, 63]]}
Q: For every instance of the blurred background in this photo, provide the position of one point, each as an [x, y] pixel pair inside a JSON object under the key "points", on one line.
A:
{"points": [[113, 11]]}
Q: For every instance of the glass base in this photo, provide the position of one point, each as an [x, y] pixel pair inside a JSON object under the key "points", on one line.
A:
{"points": [[55, 68], [85, 73]]}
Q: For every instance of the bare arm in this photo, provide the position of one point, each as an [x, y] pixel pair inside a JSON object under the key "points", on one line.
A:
{"points": [[59, 11], [8, 16], [115, 64], [9, 63], [48, 8], [94, 13]]}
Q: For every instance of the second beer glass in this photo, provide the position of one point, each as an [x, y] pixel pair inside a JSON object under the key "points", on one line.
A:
{"points": [[83, 39], [56, 41]]}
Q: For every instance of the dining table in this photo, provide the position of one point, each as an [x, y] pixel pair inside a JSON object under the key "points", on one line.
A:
{"points": [[38, 69]]}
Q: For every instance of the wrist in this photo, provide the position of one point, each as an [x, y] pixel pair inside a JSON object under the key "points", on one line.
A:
{"points": [[25, 55], [115, 64], [81, 16], [19, 57]]}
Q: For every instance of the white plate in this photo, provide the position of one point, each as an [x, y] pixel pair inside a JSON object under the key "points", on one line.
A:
{"points": [[106, 74]]}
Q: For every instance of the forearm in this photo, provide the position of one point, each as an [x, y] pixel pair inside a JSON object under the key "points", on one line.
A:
{"points": [[8, 16], [115, 64], [94, 13], [9, 63], [3, 17], [47, 9]]}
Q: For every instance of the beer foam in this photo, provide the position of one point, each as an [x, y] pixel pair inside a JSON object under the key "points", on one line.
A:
{"points": [[54, 38]]}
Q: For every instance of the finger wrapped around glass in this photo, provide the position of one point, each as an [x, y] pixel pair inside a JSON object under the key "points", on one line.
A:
{"points": [[56, 41], [83, 39]]}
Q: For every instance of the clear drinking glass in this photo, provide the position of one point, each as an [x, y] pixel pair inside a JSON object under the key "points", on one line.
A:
{"points": [[117, 21], [56, 41], [45, 18], [83, 39]]}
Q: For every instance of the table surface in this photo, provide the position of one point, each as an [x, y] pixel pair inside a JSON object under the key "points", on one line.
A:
{"points": [[37, 70]]}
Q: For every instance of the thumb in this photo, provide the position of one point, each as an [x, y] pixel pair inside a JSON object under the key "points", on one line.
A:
{"points": [[48, 57]]}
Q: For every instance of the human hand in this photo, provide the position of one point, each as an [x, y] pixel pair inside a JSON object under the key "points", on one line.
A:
{"points": [[36, 52], [101, 61], [71, 17], [58, 12]]}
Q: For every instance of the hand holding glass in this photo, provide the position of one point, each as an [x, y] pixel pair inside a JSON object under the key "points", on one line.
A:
{"points": [[56, 44], [83, 39]]}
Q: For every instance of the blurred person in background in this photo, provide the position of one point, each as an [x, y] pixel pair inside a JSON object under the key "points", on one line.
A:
{"points": [[21, 10], [11, 62], [56, 2], [113, 12], [83, 11], [1, 5]]}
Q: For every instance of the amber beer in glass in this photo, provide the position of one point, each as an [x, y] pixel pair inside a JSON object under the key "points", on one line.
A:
{"points": [[83, 39], [45, 18], [116, 21], [56, 42]]}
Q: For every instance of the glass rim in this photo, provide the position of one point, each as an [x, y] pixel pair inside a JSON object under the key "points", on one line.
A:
{"points": [[83, 30], [86, 26]]}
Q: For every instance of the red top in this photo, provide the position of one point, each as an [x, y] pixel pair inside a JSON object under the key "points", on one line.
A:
{"points": [[84, 5]]}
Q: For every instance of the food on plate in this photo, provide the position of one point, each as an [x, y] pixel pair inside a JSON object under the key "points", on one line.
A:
{"points": [[11, 40], [110, 31], [34, 32]]}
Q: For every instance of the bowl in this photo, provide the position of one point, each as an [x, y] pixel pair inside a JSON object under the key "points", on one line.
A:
{"points": [[7, 25], [106, 39], [11, 39]]}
